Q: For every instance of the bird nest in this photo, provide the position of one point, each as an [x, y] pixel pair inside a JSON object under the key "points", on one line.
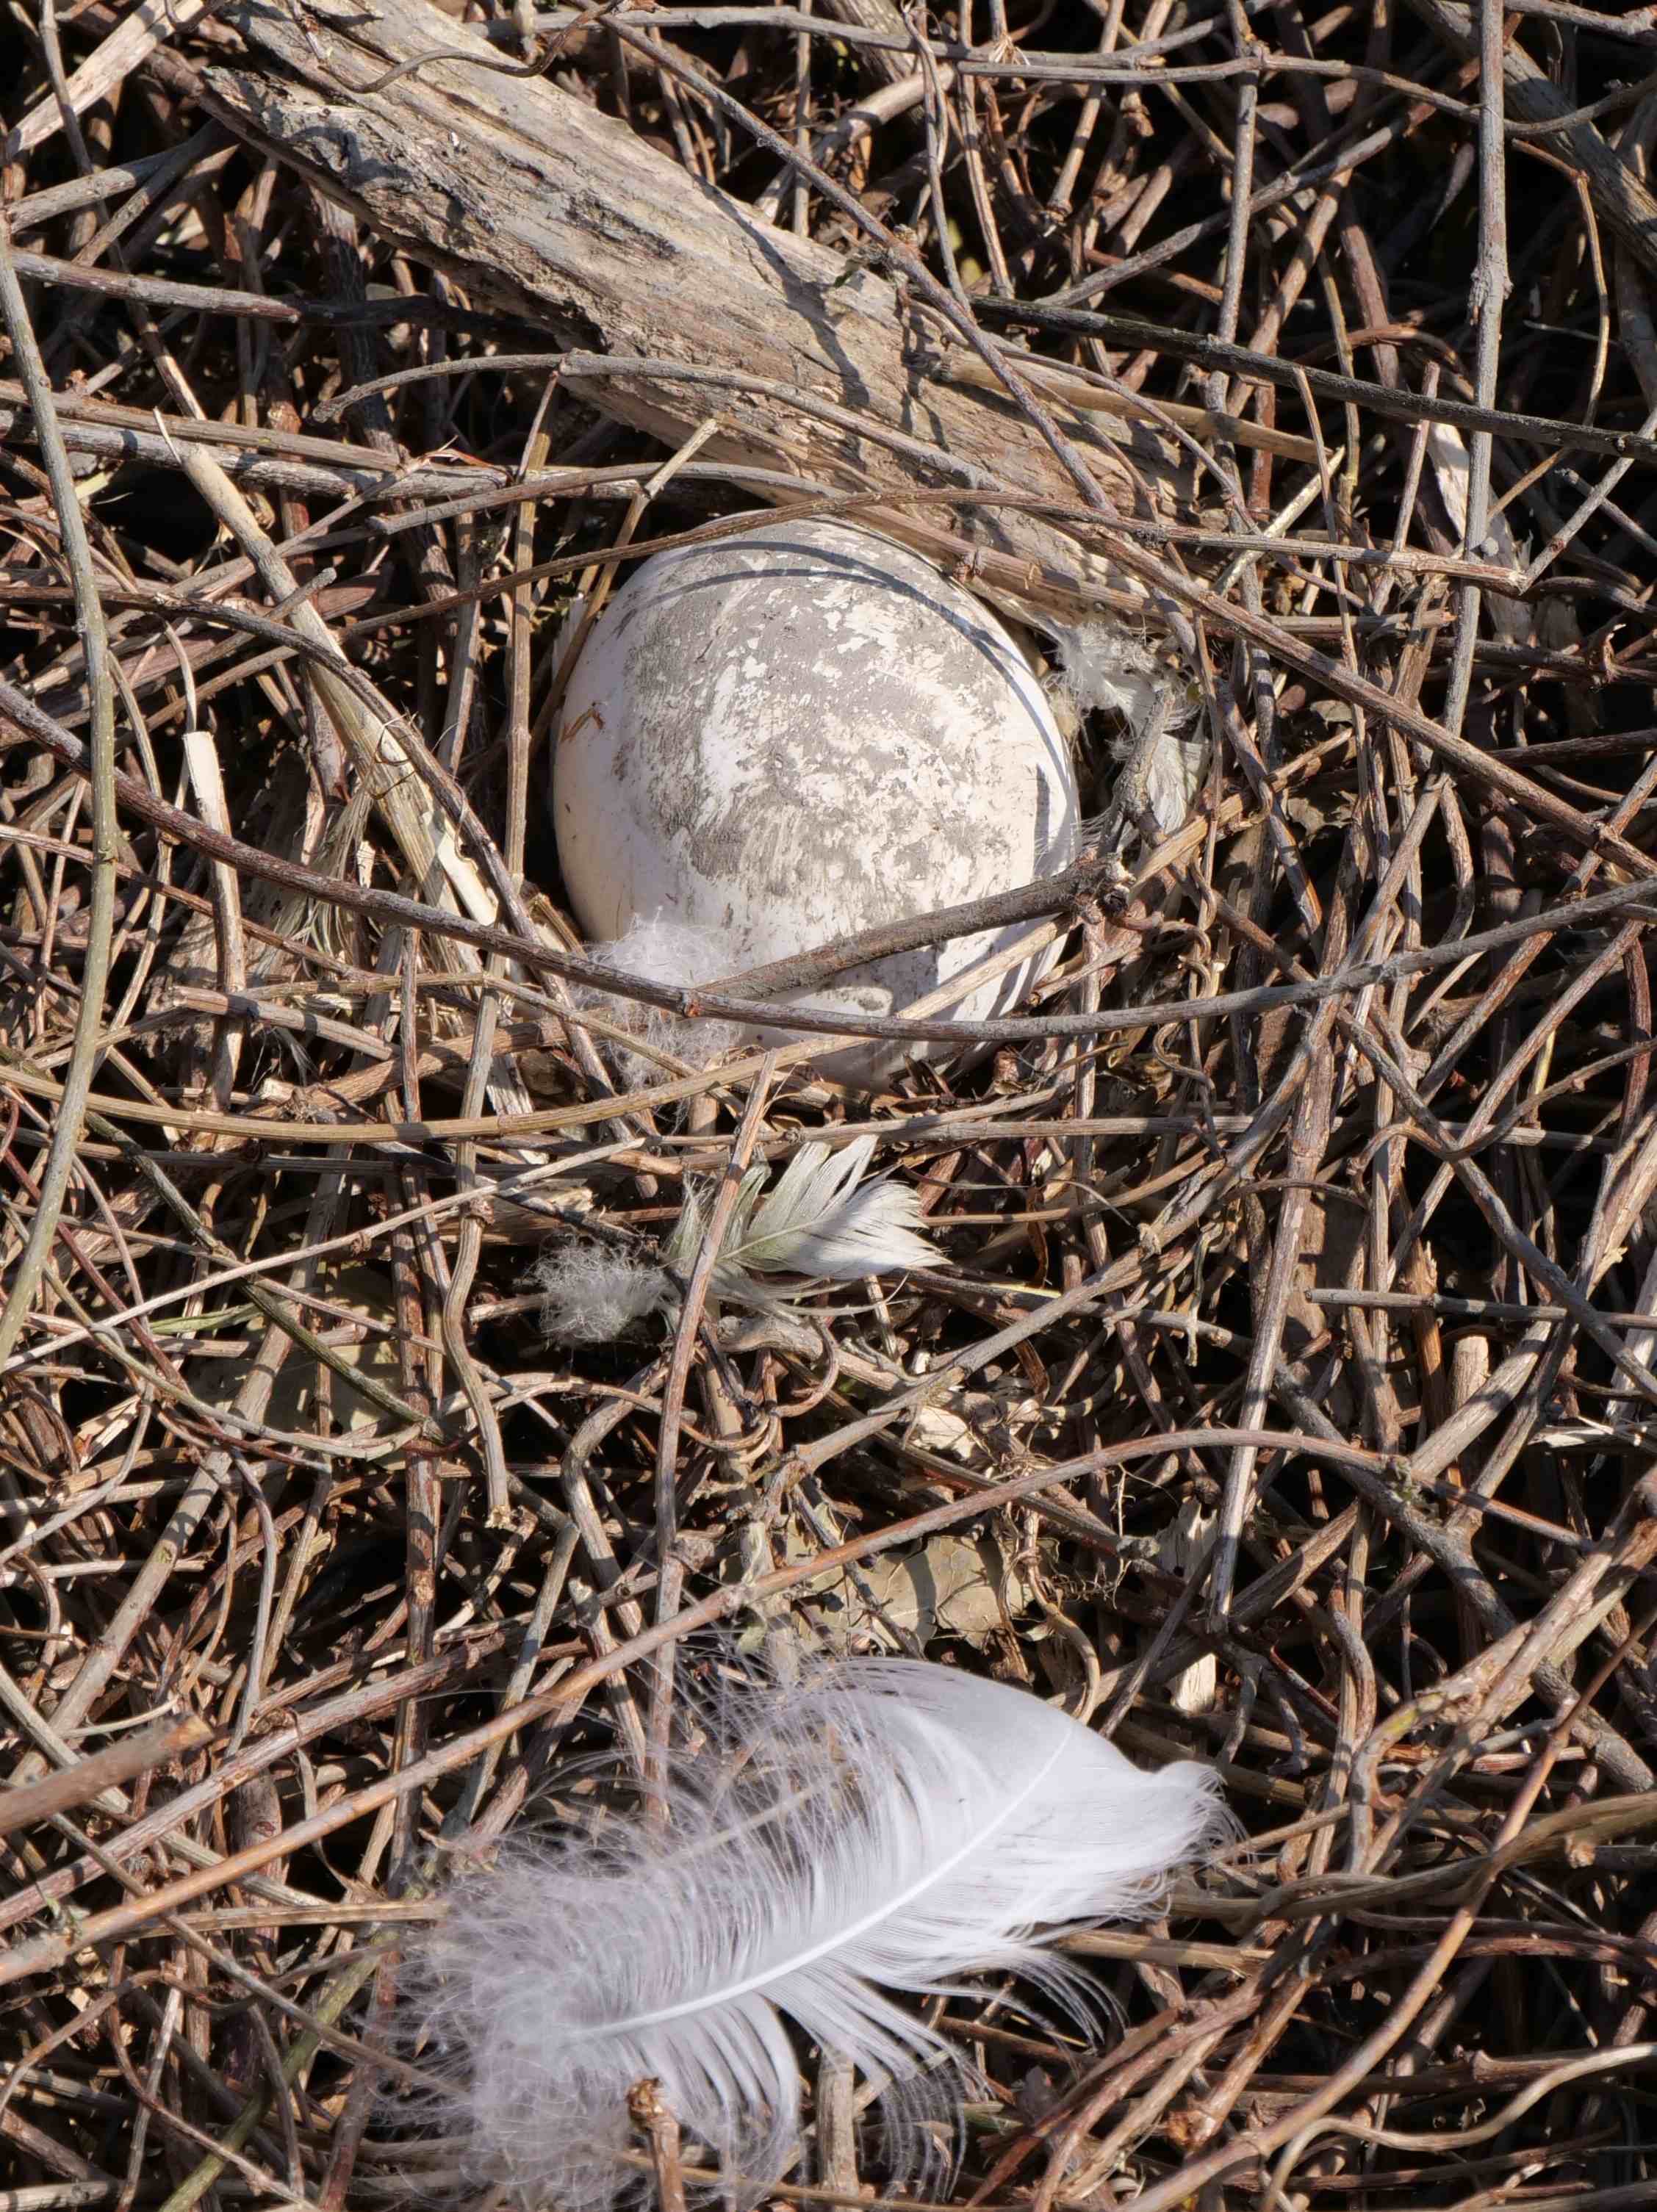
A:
{"points": [[1269, 1375]]}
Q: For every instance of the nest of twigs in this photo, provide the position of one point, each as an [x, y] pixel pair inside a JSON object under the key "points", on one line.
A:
{"points": [[1282, 1394]]}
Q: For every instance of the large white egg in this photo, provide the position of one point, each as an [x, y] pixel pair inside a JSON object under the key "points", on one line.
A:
{"points": [[798, 733]]}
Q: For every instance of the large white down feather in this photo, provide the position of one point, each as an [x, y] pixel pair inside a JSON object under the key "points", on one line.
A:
{"points": [[838, 1849]]}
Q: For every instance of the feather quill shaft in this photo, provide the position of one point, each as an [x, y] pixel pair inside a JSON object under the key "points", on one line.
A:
{"points": [[880, 1832]]}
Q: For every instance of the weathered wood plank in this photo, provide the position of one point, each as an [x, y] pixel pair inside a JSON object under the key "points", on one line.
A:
{"points": [[1620, 195], [543, 209]]}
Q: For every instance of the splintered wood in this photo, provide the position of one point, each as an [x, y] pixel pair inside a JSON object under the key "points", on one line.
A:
{"points": [[816, 367]]}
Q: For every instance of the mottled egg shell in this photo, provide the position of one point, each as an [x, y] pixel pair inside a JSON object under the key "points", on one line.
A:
{"points": [[798, 733]]}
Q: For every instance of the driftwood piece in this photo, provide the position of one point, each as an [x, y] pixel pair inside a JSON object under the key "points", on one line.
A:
{"points": [[541, 208], [883, 63], [1620, 195]]}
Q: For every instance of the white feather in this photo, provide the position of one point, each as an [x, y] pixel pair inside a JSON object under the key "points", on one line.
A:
{"points": [[888, 1828], [822, 1220], [1173, 778], [1161, 760]]}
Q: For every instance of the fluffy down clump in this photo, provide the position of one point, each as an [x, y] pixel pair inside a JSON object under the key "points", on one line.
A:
{"points": [[1107, 666], [1162, 755], [593, 1294], [666, 951]]}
